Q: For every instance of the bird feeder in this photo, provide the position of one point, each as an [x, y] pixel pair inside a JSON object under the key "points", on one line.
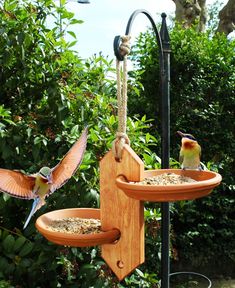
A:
{"points": [[205, 181], [75, 240], [122, 197]]}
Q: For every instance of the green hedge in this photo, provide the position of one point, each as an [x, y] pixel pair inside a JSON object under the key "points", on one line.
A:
{"points": [[203, 104], [48, 96]]}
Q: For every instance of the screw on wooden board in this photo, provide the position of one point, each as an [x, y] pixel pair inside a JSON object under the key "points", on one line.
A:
{"points": [[120, 264]]}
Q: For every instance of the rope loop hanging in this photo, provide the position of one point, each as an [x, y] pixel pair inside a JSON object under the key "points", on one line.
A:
{"points": [[121, 136]]}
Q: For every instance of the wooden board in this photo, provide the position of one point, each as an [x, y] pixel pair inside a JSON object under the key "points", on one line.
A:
{"points": [[121, 212]]}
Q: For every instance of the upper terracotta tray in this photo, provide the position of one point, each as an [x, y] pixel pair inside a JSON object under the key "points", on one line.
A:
{"points": [[206, 181], [75, 240]]}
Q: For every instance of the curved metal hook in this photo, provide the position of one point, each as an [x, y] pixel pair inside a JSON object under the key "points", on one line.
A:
{"points": [[117, 39]]}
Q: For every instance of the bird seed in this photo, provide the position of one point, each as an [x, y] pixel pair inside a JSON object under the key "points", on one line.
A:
{"points": [[166, 179], [76, 225]]}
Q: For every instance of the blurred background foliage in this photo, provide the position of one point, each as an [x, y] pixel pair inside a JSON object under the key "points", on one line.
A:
{"points": [[49, 94], [202, 104]]}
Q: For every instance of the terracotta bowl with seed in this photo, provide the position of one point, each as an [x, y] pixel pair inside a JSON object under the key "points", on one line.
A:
{"points": [[205, 182], [71, 239]]}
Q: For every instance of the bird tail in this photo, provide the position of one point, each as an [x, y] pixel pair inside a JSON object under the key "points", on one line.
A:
{"points": [[203, 166], [36, 205]]}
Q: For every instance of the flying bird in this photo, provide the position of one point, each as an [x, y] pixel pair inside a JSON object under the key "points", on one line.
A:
{"points": [[190, 152], [40, 185]]}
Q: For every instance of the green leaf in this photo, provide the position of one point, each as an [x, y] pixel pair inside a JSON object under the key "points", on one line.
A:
{"points": [[19, 243], [72, 34], [10, 122], [6, 153], [8, 243], [37, 140], [44, 141], [6, 197], [20, 38], [74, 130], [25, 262], [10, 5], [76, 21], [112, 120], [36, 152], [94, 137], [3, 261], [73, 43], [141, 274], [27, 248], [29, 132], [22, 53], [148, 159], [148, 137]]}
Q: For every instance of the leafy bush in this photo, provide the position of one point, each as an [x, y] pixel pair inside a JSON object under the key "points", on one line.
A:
{"points": [[48, 95], [203, 104]]}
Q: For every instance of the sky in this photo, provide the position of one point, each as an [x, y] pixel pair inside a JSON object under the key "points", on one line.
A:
{"points": [[105, 19]]}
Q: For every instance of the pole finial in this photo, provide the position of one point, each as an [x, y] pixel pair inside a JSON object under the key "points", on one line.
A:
{"points": [[164, 33]]}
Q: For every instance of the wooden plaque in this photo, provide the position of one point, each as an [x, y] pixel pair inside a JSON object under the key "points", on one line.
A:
{"points": [[121, 212]]}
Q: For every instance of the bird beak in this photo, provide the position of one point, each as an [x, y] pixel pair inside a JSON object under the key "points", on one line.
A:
{"points": [[49, 179], [181, 133]]}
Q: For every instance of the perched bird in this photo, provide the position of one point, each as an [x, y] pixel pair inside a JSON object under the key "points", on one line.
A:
{"points": [[190, 152], [46, 181]]}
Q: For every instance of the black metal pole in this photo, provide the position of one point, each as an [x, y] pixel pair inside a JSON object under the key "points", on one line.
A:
{"points": [[165, 258], [165, 153]]}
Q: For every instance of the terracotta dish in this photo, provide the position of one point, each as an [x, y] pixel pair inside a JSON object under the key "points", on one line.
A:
{"points": [[74, 240], [206, 181]]}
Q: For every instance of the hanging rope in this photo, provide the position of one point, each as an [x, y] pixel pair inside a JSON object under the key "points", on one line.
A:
{"points": [[121, 136]]}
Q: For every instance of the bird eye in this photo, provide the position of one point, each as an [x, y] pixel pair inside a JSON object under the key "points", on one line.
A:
{"points": [[191, 137]]}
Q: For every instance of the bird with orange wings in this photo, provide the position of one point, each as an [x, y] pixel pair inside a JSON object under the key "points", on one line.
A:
{"points": [[40, 185]]}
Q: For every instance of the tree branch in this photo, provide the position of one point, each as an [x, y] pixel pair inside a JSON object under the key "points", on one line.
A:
{"points": [[227, 18], [189, 11]]}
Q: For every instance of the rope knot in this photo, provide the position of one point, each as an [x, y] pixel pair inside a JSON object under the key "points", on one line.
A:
{"points": [[118, 144], [125, 45]]}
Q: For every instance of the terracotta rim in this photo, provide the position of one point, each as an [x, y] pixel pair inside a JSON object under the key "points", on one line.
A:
{"points": [[206, 181], [75, 240]]}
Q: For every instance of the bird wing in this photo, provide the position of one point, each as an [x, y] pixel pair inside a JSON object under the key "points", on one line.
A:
{"points": [[200, 151], [66, 168], [17, 184]]}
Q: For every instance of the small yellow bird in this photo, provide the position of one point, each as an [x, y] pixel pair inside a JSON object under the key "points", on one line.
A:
{"points": [[190, 152], [46, 181]]}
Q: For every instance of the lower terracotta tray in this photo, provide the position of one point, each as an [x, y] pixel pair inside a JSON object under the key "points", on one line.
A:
{"points": [[75, 240], [206, 181]]}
